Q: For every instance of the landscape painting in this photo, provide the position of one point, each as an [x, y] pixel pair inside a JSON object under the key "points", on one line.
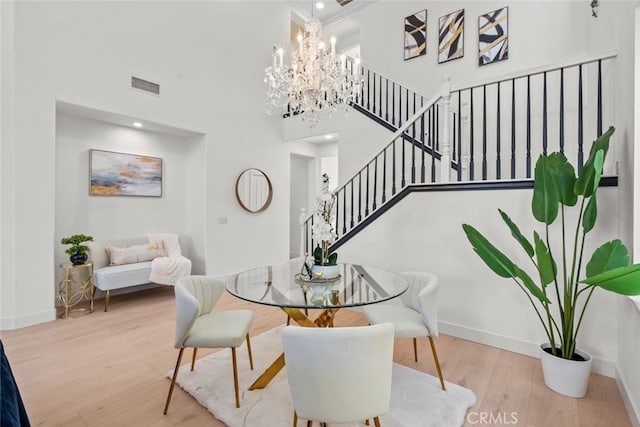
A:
{"points": [[121, 174]]}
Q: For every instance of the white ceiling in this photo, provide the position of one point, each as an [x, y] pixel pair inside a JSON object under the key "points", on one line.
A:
{"points": [[121, 120], [336, 20], [332, 11]]}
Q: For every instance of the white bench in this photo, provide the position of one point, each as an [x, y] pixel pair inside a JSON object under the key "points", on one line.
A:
{"points": [[107, 277]]}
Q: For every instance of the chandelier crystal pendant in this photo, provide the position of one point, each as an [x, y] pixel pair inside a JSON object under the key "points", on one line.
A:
{"points": [[316, 81]]}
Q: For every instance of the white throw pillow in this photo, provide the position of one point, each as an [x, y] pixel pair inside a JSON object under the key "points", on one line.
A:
{"points": [[169, 241], [136, 253]]}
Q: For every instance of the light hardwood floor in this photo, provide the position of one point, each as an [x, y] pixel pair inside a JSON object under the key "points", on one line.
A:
{"points": [[107, 369]]}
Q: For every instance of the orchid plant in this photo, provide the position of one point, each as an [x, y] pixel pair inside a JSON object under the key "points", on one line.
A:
{"points": [[323, 220]]}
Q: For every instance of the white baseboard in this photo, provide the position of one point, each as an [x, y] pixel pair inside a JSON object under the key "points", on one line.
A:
{"points": [[599, 366], [10, 323], [632, 405]]}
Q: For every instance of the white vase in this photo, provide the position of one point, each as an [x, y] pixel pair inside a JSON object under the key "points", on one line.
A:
{"points": [[564, 376], [325, 271]]}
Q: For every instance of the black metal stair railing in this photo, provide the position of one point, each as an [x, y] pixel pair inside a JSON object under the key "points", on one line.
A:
{"points": [[504, 124], [391, 104], [411, 157], [487, 132]]}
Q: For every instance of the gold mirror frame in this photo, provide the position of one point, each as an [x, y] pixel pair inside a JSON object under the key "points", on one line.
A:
{"points": [[254, 196]]}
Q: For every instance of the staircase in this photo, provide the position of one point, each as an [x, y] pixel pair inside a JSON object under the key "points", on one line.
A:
{"points": [[481, 136]]}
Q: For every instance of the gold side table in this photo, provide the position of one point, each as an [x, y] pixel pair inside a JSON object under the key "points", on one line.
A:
{"points": [[76, 286]]}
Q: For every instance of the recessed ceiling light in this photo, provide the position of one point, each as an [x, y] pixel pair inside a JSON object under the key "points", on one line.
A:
{"points": [[137, 124], [319, 5], [329, 136]]}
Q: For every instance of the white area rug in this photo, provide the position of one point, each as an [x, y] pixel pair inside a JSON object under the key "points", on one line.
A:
{"points": [[416, 398]]}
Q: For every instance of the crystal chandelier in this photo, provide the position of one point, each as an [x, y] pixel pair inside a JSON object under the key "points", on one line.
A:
{"points": [[317, 80]]}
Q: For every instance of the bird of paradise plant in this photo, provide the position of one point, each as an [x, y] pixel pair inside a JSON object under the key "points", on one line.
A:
{"points": [[558, 271]]}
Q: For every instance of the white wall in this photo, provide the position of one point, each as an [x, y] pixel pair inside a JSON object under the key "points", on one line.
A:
{"points": [[627, 373], [109, 217], [300, 186], [7, 129], [474, 303], [84, 53], [381, 36], [617, 27]]}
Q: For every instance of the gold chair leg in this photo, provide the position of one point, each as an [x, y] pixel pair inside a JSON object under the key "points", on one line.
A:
{"points": [[288, 320], [249, 351], [366, 422], [295, 419], [435, 358], [415, 349], [193, 358], [376, 421], [106, 300], [173, 381], [309, 423], [235, 375]]}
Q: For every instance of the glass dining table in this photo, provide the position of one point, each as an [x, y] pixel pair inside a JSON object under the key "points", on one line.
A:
{"points": [[287, 287]]}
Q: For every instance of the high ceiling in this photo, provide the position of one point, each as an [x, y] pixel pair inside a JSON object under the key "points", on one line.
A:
{"points": [[336, 19], [330, 13]]}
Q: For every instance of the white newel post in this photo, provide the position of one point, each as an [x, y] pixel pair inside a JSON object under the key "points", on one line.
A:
{"points": [[302, 219], [445, 155]]}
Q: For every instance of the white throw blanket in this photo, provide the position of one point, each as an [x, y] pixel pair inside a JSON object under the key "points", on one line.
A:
{"points": [[167, 270]]}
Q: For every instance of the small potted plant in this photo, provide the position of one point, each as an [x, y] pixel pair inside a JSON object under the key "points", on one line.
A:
{"points": [[77, 252], [324, 263], [561, 284]]}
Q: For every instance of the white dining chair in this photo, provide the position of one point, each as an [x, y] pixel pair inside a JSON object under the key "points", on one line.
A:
{"points": [[197, 326], [339, 374], [416, 317]]}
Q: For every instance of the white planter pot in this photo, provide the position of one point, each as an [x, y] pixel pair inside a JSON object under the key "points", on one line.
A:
{"points": [[325, 271], [568, 377]]}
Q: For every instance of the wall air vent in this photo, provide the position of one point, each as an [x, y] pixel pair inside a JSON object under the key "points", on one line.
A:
{"points": [[343, 2], [145, 85]]}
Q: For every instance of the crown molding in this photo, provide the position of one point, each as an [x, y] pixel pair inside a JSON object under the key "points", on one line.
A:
{"points": [[347, 12]]}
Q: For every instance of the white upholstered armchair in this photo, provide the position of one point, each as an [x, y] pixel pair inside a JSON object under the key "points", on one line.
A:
{"points": [[416, 317], [198, 326], [339, 374]]}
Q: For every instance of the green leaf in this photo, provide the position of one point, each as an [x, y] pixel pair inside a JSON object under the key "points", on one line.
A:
{"points": [[585, 183], [546, 264], [333, 259], [495, 260], [598, 162], [531, 286], [544, 203], [590, 214], [607, 257], [317, 255], [515, 232], [621, 280], [564, 176]]}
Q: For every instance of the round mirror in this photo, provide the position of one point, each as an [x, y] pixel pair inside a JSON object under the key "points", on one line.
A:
{"points": [[253, 190]]}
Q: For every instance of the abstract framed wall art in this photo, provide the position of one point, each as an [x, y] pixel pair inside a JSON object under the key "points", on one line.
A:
{"points": [[493, 37], [415, 35], [122, 174], [451, 36]]}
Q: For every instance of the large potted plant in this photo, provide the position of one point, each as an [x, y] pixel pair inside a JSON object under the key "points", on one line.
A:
{"points": [[562, 288], [77, 251]]}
